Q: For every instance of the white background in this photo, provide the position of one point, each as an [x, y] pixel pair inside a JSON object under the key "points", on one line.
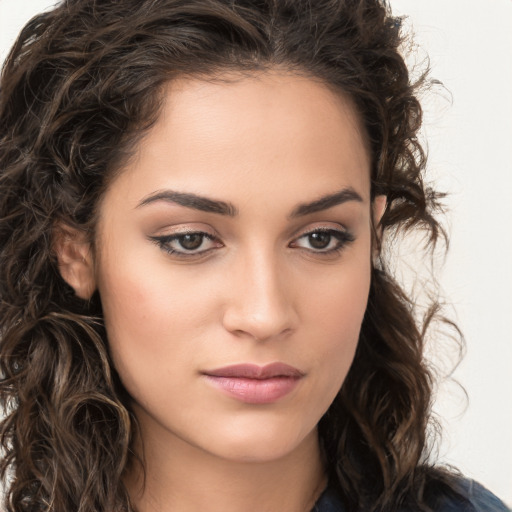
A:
{"points": [[469, 43]]}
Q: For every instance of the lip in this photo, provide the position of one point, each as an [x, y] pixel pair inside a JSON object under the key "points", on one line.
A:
{"points": [[254, 384]]}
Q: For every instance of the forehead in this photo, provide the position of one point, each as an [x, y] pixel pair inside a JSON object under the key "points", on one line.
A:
{"points": [[272, 126]]}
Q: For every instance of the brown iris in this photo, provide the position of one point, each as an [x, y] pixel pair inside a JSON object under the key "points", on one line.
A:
{"points": [[191, 241], [319, 240]]}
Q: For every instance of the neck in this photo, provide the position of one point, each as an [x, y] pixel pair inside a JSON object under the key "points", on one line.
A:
{"points": [[182, 477]]}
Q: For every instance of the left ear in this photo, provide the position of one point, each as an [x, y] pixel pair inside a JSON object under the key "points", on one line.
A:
{"points": [[74, 255], [378, 208]]}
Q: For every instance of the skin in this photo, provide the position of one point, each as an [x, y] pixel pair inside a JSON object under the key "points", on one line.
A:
{"points": [[257, 291]]}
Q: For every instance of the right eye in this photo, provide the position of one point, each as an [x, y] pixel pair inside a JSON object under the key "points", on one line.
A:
{"points": [[191, 243]]}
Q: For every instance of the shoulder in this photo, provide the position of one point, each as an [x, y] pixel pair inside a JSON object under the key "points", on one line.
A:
{"points": [[468, 496], [463, 495]]}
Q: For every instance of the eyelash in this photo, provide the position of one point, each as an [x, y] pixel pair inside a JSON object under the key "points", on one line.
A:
{"points": [[164, 243], [343, 238]]}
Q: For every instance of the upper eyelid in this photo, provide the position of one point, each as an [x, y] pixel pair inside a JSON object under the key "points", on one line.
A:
{"points": [[323, 228], [177, 232], [305, 232], [214, 236], [345, 233], [177, 235]]}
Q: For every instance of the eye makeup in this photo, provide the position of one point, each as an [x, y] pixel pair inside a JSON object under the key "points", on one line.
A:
{"points": [[319, 241], [324, 241], [187, 244]]}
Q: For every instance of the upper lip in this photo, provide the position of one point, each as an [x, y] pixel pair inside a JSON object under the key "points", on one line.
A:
{"points": [[254, 371]]}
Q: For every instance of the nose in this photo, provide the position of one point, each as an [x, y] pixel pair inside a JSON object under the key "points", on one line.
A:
{"points": [[261, 303]]}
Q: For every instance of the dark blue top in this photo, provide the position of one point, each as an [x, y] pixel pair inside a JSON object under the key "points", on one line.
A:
{"points": [[478, 499]]}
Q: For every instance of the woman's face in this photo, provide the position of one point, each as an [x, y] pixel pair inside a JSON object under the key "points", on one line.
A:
{"points": [[238, 237]]}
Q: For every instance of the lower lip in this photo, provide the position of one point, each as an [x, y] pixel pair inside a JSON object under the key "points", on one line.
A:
{"points": [[255, 391]]}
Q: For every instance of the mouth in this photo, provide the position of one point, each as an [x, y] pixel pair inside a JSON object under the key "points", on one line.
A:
{"points": [[253, 384]]}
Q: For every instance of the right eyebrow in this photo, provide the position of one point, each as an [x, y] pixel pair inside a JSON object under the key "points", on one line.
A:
{"points": [[194, 201]]}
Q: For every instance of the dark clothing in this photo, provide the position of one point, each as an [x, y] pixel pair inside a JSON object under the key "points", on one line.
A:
{"points": [[328, 502], [476, 499]]}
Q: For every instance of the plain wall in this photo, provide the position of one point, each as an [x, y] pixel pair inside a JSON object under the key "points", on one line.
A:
{"points": [[469, 43]]}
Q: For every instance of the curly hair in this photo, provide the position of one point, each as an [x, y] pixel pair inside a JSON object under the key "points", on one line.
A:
{"points": [[81, 85]]}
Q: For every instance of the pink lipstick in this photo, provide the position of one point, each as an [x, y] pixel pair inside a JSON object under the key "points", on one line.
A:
{"points": [[255, 384]]}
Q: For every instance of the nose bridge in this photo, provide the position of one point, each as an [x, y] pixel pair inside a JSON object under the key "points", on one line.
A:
{"points": [[260, 305]]}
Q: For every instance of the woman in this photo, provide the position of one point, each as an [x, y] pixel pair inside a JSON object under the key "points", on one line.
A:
{"points": [[195, 314]]}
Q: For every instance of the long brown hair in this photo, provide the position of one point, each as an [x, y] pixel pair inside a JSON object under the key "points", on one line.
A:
{"points": [[81, 85]]}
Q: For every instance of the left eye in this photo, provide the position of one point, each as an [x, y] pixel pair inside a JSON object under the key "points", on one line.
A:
{"points": [[186, 243], [323, 240]]}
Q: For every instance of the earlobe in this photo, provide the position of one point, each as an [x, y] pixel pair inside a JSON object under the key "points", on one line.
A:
{"points": [[75, 260]]}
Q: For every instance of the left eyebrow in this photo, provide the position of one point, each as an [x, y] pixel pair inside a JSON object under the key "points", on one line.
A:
{"points": [[326, 202]]}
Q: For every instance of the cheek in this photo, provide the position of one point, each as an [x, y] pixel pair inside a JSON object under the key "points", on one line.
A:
{"points": [[335, 311], [338, 299], [154, 318], [142, 292]]}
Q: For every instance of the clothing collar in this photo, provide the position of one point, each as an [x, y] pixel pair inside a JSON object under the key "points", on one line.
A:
{"points": [[329, 501]]}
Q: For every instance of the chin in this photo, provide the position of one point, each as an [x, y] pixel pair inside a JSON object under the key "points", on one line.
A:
{"points": [[263, 445]]}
